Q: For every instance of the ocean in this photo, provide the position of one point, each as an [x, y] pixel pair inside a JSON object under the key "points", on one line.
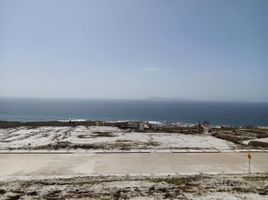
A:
{"points": [[217, 113]]}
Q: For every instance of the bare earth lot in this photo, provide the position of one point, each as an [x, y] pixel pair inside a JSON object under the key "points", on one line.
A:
{"points": [[155, 164], [98, 162], [103, 138], [133, 176]]}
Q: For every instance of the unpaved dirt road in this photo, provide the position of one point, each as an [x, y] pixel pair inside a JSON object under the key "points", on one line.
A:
{"points": [[57, 165]]}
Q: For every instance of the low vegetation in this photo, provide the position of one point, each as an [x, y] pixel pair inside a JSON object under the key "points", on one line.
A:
{"points": [[135, 187], [178, 180], [13, 124]]}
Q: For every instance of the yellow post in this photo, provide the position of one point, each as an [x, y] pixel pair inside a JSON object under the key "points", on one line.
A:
{"points": [[249, 158]]}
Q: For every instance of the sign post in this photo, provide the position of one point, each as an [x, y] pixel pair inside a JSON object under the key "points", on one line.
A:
{"points": [[249, 158]]}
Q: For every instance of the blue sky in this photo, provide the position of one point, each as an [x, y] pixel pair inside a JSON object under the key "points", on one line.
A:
{"points": [[135, 49]]}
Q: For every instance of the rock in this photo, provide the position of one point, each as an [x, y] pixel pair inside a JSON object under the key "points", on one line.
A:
{"points": [[2, 191], [13, 197], [32, 193]]}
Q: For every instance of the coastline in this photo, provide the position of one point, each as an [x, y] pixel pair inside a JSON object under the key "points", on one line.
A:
{"points": [[85, 122], [217, 113]]}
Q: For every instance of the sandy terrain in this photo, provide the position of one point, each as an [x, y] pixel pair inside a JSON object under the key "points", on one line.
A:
{"points": [[59, 163], [88, 164], [104, 138]]}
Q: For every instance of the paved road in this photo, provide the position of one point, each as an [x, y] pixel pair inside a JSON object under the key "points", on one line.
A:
{"points": [[48, 165]]}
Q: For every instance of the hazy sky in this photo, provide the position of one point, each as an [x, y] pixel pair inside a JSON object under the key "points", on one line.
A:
{"points": [[194, 49]]}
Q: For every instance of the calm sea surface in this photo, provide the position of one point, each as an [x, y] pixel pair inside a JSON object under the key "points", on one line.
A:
{"points": [[14, 109]]}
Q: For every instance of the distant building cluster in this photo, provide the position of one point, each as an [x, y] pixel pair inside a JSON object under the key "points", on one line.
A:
{"points": [[204, 127]]}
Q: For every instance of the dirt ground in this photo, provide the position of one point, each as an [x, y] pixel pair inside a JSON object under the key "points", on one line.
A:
{"points": [[97, 164], [173, 187], [135, 187], [246, 137], [103, 138]]}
